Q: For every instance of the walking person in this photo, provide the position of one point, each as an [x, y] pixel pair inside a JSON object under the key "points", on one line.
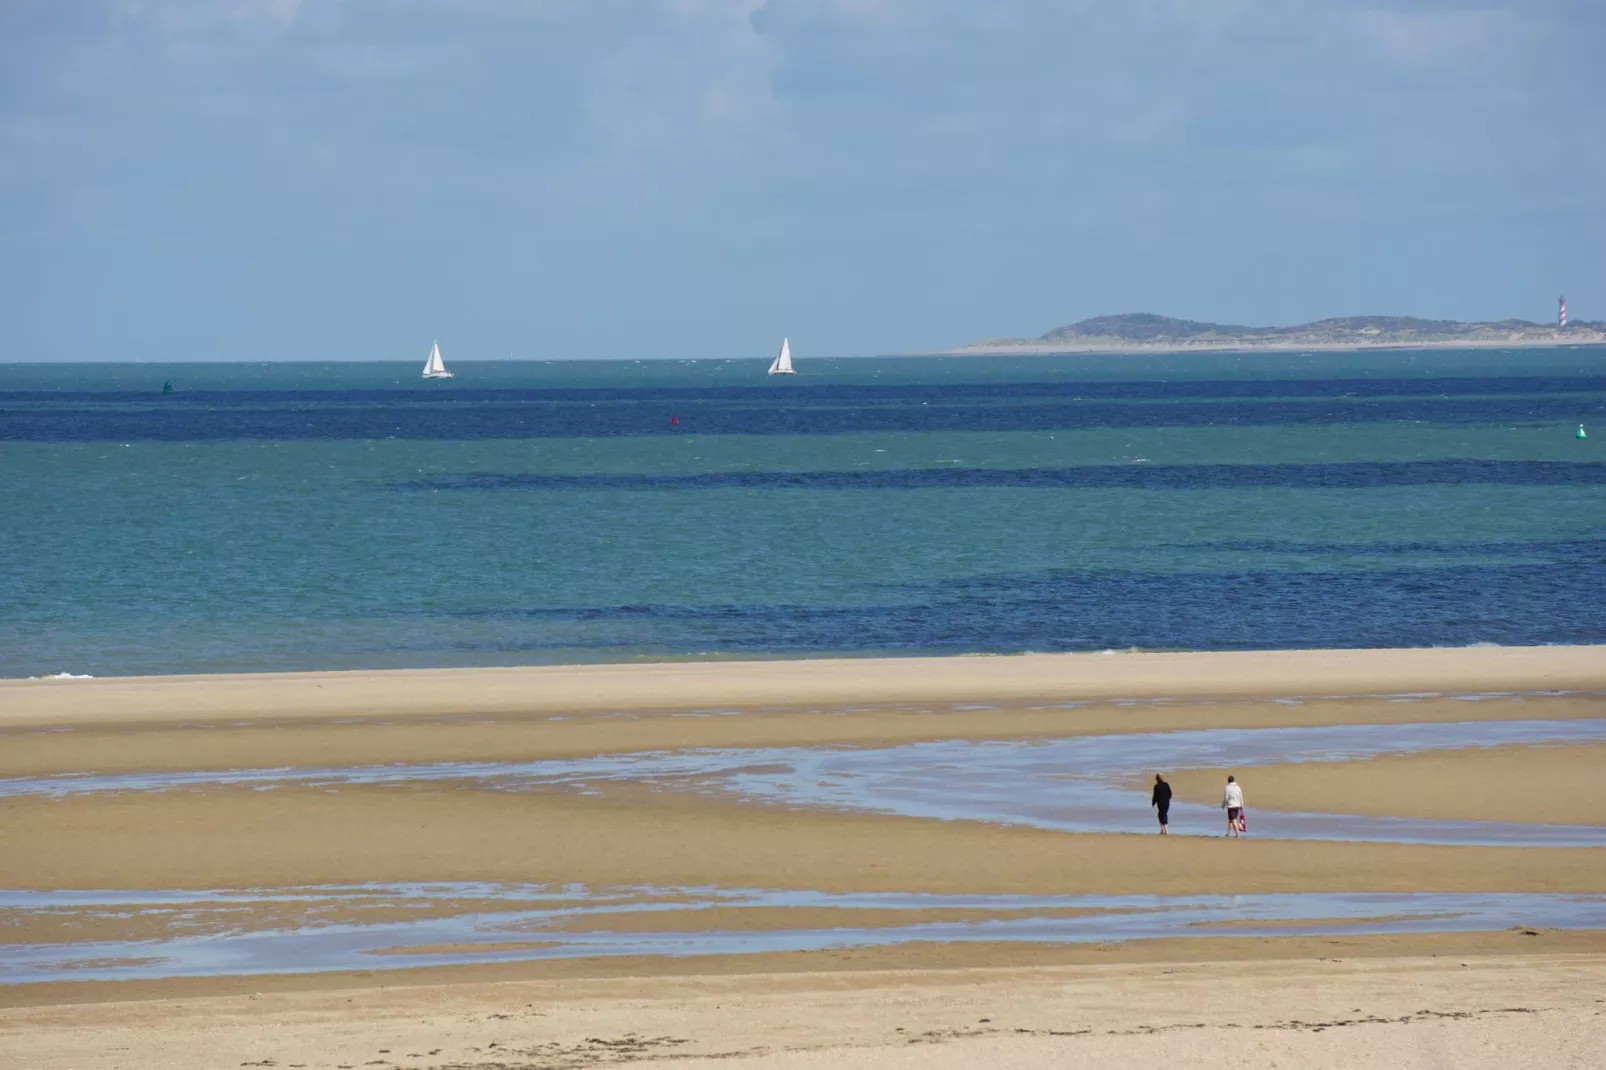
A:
{"points": [[1161, 801], [1232, 800]]}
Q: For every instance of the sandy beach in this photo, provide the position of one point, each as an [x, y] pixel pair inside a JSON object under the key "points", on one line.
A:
{"points": [[1514, 1010], [426, 802], [760, 684]]}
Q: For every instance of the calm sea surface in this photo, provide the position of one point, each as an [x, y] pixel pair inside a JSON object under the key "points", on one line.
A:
{"points": [[306, 516]]}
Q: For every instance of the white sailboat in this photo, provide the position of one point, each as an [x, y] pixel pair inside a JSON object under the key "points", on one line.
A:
{"points": [[782, 365], [435, 367]]}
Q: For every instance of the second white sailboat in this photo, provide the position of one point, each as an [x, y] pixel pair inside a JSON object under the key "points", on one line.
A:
{"points": [[435, 367]]}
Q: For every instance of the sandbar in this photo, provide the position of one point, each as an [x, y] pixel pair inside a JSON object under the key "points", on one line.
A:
{"points": [[631, 836], [842, 681]]}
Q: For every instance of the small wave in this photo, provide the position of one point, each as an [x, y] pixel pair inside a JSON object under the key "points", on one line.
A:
{"points": [[63, 676]]}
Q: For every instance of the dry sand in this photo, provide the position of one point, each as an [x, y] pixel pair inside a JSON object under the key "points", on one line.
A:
{"points": [[1464, 1009], [867, 681]]}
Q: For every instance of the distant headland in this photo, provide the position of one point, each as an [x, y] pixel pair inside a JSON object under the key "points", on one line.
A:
{"points": [[1143, 332]]}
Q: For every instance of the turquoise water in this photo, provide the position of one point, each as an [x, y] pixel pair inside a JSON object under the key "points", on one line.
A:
{"points": [[296, 516]]}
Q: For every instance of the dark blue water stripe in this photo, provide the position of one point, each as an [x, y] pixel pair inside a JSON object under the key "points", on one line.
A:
{"points": [[625, 419], [1130, 476], [887, 394], [1099, 610]]}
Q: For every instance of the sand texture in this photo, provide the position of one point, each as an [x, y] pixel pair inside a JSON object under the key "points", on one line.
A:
{"points": [[242, 838], [1525, 997], [1559, 785], [1509, 1012], [868, 681]]}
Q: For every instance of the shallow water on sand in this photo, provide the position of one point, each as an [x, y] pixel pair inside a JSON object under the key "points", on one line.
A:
{"points": [[1076, 784], [529, 930], [1080, 783]]}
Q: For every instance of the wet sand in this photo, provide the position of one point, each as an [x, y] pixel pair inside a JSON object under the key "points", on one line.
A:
{"points": [[1559, 785], [629, 836], [111, 744]]}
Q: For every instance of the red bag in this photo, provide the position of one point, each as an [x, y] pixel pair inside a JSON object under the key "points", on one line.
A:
{"points": [[1243, 821]]}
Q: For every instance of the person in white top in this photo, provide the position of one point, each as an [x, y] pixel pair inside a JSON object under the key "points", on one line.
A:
{"points": [[1232, 800]]}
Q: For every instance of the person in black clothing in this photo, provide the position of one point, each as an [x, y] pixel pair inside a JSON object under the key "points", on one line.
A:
{"points": [[1161, 801]]}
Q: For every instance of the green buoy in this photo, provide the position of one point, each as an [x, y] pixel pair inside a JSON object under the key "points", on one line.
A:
{"points": [[167, 388], [1581, 433]]}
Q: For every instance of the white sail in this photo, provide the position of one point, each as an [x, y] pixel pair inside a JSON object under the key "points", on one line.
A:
{"points": [[435, 367], [782, 365]]}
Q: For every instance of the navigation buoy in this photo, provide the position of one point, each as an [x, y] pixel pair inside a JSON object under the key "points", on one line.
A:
{"points": [[674, 421], [1581, 433], [167, 388]]}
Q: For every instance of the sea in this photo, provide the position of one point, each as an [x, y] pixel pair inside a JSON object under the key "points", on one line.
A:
{"points": [[291, 516]]}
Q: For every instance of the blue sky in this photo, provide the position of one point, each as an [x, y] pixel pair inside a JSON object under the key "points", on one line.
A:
{"points": [[348, 179]]}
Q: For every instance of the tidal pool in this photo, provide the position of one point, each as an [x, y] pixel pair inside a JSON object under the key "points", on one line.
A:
{"points": [[568, 922]]}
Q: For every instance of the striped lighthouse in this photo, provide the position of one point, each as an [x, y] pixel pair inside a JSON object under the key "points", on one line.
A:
{"points": [[1561, 317]]}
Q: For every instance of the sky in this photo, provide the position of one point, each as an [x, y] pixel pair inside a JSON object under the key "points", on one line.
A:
{"points": [[552, 179]]}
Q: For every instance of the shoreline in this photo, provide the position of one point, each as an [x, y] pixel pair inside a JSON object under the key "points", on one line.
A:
{"points": [[722, 685], [1048, 349]]}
